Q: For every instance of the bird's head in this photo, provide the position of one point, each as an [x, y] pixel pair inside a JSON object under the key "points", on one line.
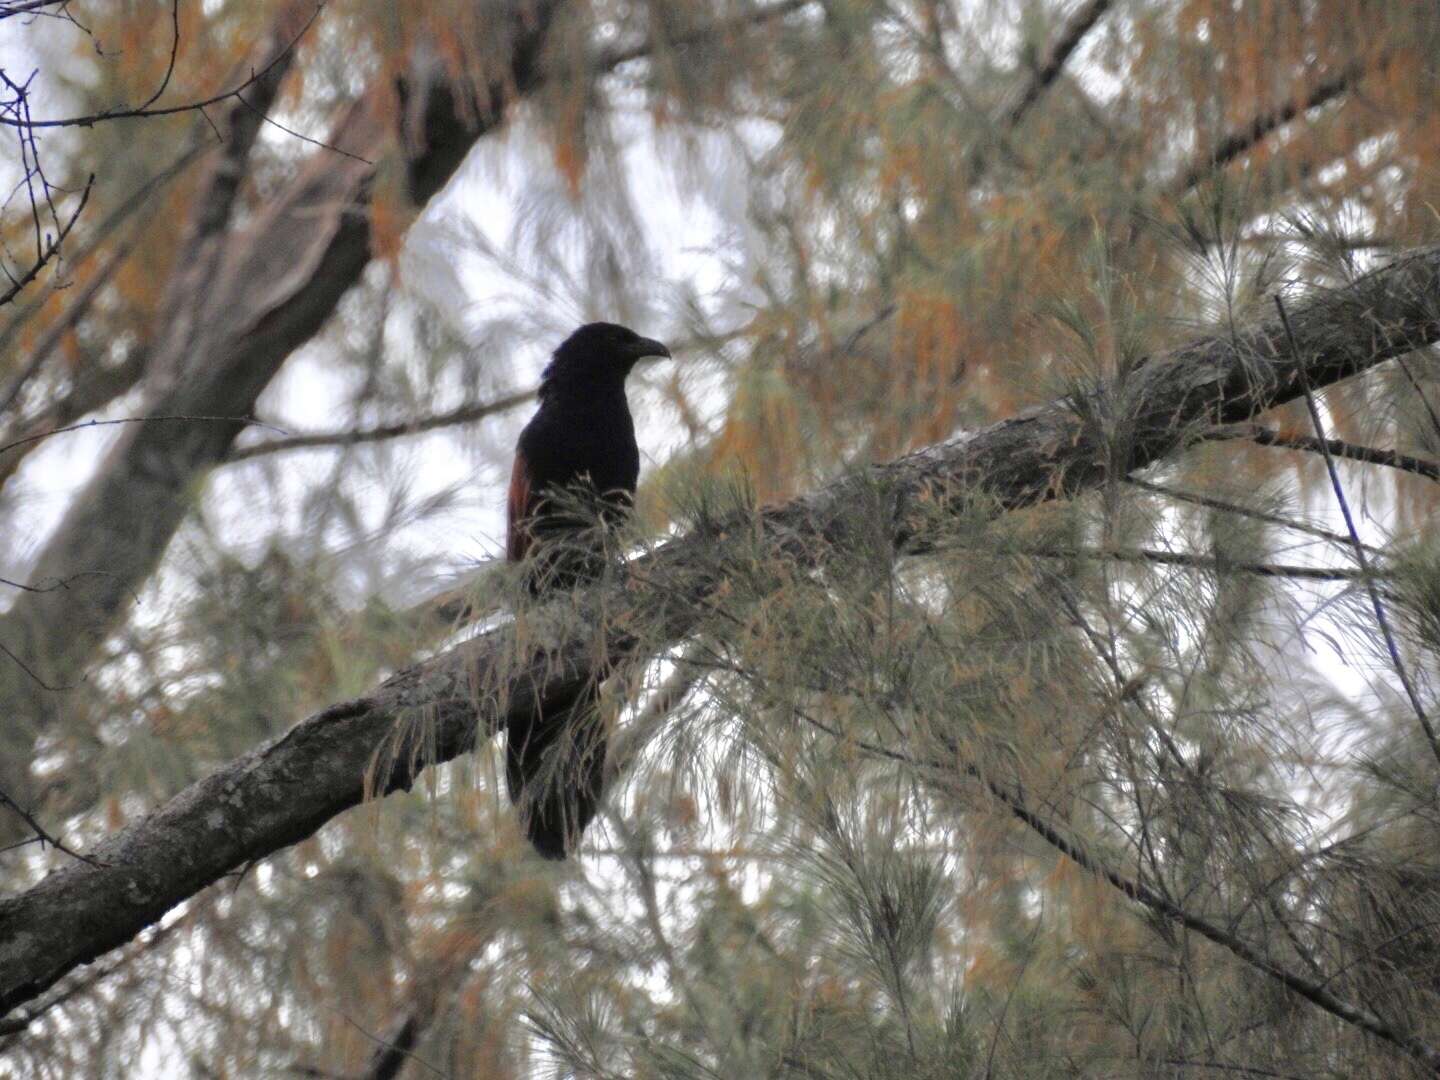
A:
{"points": [[600, 350]]}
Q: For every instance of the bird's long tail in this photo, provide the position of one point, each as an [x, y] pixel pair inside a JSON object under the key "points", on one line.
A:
{"points": [[554, 770]]}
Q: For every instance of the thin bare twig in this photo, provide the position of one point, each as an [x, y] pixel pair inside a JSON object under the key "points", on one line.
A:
{"points": [[321, 143], [174, 52], [1335, 447], [52, 585], [463, 415], [39, 830], [1226, 507], [51, 249], [26, 7], [139, 420], [1380, 617], [91, 391], [28, 670], [171, 110]]}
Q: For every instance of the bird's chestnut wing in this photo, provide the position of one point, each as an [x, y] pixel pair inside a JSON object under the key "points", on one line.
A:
{"points": [[519, 506]]}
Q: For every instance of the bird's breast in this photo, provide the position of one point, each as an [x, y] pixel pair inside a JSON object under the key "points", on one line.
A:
{"points": [[562, 445]]}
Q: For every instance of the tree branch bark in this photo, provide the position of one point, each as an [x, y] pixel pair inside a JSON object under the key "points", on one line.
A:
{"points": [[286, 789]]}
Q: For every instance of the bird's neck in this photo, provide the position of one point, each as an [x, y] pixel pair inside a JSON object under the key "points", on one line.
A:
{"points": [[574, 393]]}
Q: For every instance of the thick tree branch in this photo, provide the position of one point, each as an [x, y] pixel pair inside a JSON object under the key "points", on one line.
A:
{"points": [[286, 789]]}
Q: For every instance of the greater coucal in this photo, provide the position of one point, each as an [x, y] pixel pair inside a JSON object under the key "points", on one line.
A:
{"points": [[581, 441]]}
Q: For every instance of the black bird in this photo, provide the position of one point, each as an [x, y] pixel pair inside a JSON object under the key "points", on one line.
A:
{"points": [[581, 441]]}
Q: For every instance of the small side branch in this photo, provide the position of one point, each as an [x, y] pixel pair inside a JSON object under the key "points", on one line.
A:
{"points": [[1315, 992], [1060, 51], [145, 110], [41, 836], [465, 414], [242, 420], [50, 250], [1202, 562], [1370, 455], [1226, 507], [1242, 140], [27, 7]]}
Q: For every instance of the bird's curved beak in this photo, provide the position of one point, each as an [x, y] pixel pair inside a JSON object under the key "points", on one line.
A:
{"points": [[646, 347]]}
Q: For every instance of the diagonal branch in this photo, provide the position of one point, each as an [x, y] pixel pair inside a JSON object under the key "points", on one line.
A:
{"points": [[286, 789], [1158, 901], [1241, 141], [1048, 70], [1314, 992], [243, 297]]}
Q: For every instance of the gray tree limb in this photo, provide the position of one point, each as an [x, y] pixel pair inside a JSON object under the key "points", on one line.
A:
{"points": [[434, 711]]}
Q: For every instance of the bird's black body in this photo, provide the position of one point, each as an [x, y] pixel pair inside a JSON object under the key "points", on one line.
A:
{"points": [[580, 442]]}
